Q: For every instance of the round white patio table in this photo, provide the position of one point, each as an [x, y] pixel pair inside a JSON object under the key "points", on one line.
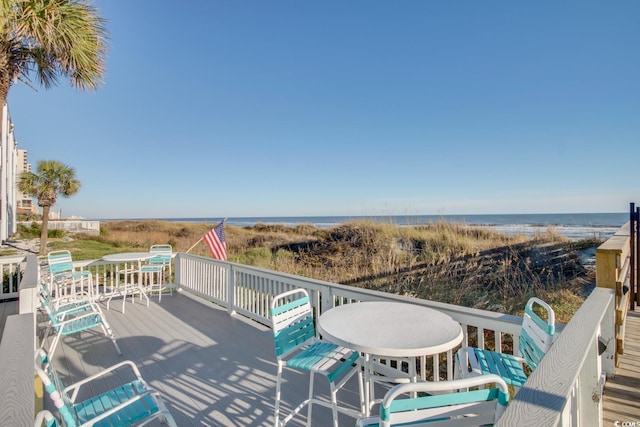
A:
{"points": [[389, 329], [131, 288]]}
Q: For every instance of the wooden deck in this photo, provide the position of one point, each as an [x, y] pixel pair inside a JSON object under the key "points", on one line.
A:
{"points": [[622, 393], [213, 369], [217, 370], [7, 308]]}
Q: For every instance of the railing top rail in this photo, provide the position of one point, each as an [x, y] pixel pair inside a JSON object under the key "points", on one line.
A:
{"points": [[13, 259], [618, 242]]}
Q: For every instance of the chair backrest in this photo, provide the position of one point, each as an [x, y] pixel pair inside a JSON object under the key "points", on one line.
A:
{"points": [[443, 404], [536, 336], [162, 253], [55, 388], [60, 262], [291, 320]]}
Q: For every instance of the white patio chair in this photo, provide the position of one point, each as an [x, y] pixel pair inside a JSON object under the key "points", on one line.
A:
{"points": [[128, 404], [66, 279], [298, 348], [536, 337], [443, 403]]}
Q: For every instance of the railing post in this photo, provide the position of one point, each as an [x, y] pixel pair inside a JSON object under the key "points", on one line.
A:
{"points": [[177, 271], [608, 338], [231, 290], [607, 266], [28, 291], [327, 299]]}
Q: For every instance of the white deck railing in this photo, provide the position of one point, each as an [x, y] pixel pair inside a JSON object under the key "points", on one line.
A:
{"points": [[248, 291], [12, 269]]}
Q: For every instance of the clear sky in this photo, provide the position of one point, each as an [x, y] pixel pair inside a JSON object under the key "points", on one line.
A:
{"points": [[287, 108]]}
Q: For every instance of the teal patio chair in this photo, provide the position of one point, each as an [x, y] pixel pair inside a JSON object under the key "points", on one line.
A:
{"points": [[62, 307], [132, 403], [476, 401], [298, 348], [66, 279], [157, 266], [536, 337], [73, 318], [164, 255]]}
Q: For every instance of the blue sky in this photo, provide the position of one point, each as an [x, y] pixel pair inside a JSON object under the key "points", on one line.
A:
{"points": [[289, 108]]}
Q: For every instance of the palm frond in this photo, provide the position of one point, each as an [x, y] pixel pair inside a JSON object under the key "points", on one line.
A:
{"points": [[54, 38]]}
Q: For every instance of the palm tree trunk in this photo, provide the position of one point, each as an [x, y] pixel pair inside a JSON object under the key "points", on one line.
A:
{"points": [[43, 229]]}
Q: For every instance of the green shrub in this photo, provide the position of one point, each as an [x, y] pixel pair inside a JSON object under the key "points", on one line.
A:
{"points": [[30, 232], [56, 234], [10, 282], [259, 257], [33, 232]]}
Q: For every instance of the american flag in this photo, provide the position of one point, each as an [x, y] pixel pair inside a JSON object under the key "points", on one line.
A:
{"points": [[215, 240]]}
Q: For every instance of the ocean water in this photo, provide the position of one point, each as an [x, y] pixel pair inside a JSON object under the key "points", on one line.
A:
{"points": [[573, 226]]}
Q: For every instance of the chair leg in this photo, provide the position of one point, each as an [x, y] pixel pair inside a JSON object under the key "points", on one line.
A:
{"points": [[53, 346], [309, 409], [276, 421], [361, 386], [45, 337], [334, 404], [109, 333]]}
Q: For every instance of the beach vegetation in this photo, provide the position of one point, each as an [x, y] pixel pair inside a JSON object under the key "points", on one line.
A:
{"points": [[34, 230], [449, 262]]}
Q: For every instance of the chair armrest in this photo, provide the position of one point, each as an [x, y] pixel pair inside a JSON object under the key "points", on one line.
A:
{"points": [[60, 315]]}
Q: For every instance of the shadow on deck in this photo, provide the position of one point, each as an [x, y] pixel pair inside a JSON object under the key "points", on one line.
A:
{"points": [[219, 370], [212, 369]]}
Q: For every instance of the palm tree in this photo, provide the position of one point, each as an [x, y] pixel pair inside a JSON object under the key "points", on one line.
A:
{"points": [[52, 179], [51, 38]]}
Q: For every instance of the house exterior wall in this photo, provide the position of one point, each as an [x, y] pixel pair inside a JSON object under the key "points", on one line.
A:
{"points": [[8, 176]]}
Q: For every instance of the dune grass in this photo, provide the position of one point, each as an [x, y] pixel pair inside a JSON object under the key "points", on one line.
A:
{"points": [[449, 262]]}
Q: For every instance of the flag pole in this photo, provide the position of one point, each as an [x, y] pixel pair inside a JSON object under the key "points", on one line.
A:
{"points": [[194, 245], [201, 239]]}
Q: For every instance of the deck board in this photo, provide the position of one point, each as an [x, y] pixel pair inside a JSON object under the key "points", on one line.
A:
{"points": [[212, 369], [7, 308], [621, 401]]}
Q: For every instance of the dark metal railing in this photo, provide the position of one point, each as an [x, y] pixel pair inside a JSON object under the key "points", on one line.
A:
{"points": [[634, 241]]}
